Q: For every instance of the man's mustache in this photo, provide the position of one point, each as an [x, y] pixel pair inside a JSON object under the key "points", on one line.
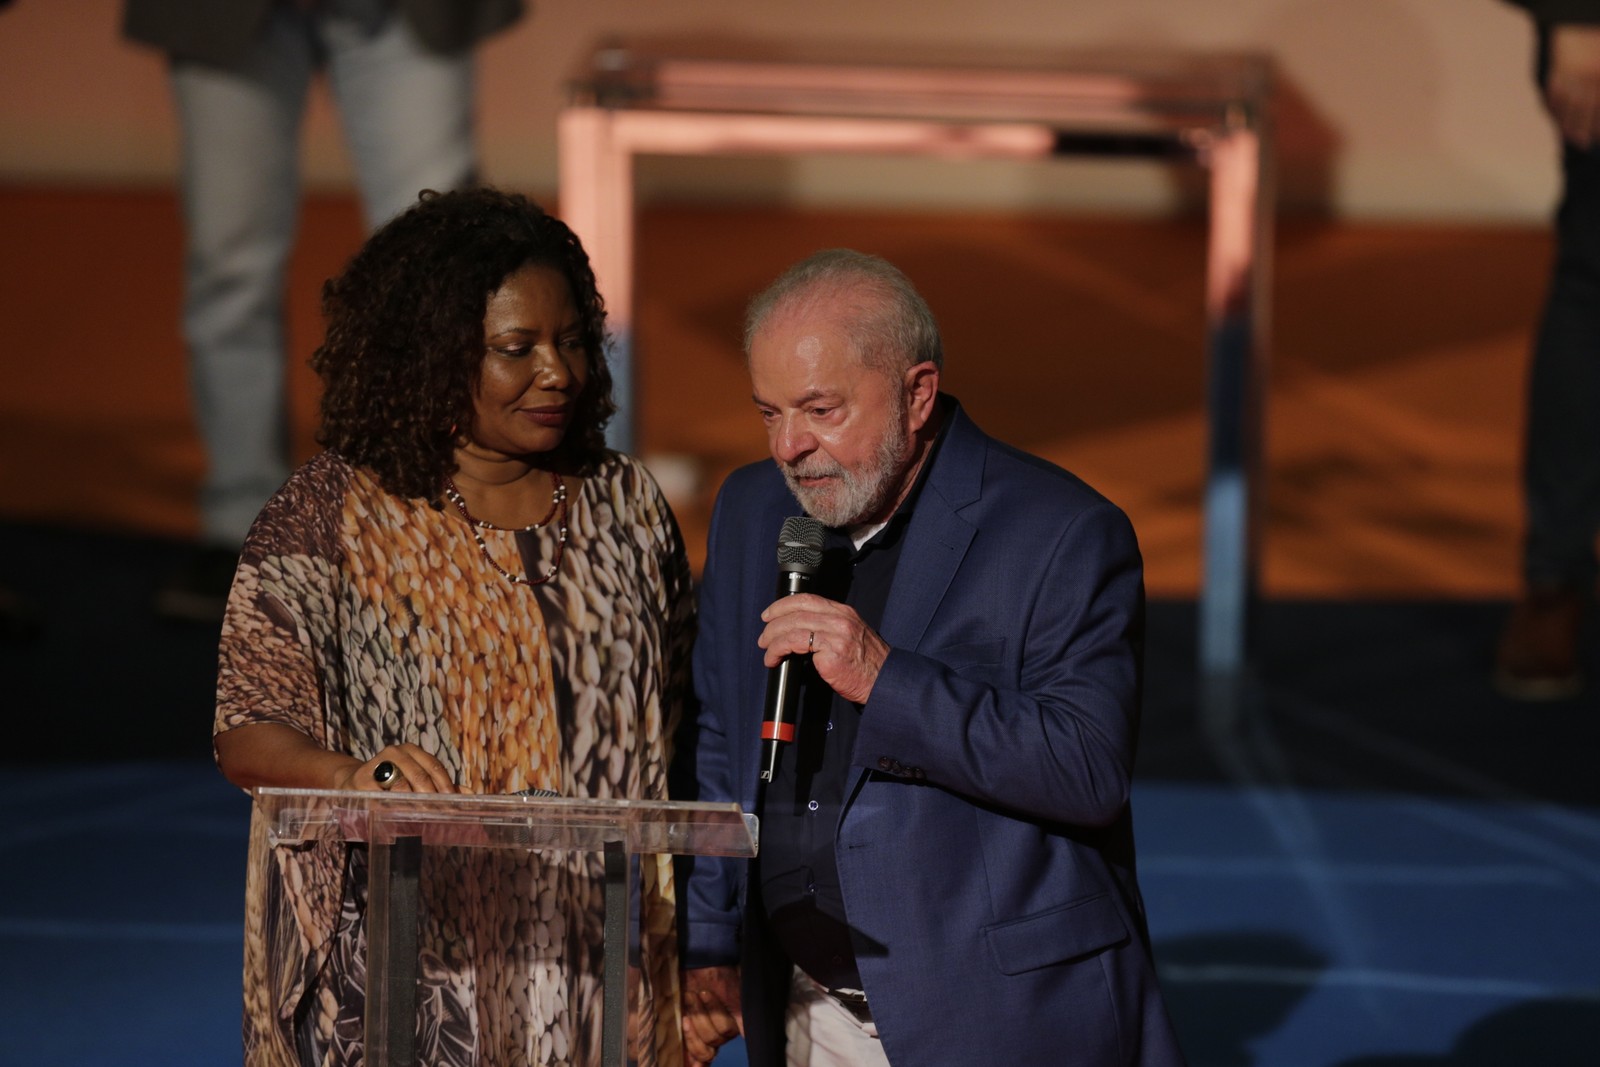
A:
{"points": [[814, 469]]}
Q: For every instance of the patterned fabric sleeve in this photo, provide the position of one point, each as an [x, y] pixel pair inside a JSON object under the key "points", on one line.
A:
{"points": [[268, 672], [282, 594], [678, 614]]}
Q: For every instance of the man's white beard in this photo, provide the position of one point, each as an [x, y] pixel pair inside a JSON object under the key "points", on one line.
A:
{"points": [[855, 495]]}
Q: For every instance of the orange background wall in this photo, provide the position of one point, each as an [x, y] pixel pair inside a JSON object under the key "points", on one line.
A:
{"points": [[1403, 306]]}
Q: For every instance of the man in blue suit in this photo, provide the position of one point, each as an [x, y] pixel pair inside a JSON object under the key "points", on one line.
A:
{"points": [[946, 874]]}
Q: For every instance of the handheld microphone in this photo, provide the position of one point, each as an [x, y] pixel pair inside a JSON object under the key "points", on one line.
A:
{"points": [[799, 559]]}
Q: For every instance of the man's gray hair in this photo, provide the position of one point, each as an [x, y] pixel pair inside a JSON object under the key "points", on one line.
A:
{"points": [[888, 322]]}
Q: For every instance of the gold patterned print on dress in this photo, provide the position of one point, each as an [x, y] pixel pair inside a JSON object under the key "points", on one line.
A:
{"points": [[485, 638], [455, 620]]}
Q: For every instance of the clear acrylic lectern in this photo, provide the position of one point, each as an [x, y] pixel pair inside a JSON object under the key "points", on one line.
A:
{"points": [[398, 827]]}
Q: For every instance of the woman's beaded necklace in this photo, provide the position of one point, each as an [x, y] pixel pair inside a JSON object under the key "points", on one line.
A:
{"points": [[558, 511]]}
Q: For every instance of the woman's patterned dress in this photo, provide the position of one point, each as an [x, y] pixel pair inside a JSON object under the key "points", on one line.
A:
{"points": [[364, 619]]}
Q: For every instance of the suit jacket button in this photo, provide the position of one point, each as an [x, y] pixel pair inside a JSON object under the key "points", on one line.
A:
{"points": [[918, 773], [885, 763]]}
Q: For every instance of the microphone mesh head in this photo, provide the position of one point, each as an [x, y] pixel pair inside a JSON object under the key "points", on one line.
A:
{"points": [[800, 544]]}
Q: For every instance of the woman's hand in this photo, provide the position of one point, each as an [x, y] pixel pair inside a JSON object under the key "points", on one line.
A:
{"points": [[405, 769], [275, 754]]}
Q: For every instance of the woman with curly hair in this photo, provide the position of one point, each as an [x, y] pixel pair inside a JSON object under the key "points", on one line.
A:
{"points": [[466, 592]]}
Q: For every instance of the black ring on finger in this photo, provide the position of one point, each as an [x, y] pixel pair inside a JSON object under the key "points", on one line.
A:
{"points": [[385, 773]]}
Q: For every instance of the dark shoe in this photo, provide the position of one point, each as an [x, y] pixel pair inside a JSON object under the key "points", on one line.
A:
{"points": [[1538, 654], [198, 591]]}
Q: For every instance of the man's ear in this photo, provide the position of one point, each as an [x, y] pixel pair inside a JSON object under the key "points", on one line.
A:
{"points": [[921, 384]]}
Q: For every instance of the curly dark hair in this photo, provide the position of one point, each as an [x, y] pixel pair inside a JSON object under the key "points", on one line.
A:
{"points": [[404, 347]]}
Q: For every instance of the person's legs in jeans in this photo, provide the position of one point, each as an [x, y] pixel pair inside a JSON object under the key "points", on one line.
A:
{"points": [[407, 118], [239, 189], [407, 113]]}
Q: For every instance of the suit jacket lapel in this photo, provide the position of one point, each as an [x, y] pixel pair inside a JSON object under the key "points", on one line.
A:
{"points": [[936, 542], [937, 539]]}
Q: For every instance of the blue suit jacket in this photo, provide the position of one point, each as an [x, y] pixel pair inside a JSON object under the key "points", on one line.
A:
{"points": [[986, 847]]}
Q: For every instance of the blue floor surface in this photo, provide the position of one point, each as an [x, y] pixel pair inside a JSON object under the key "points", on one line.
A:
{"points": [[1293, 927]]}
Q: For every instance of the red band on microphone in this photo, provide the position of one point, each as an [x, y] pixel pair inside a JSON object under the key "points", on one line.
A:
{"points": [[777, 731]]}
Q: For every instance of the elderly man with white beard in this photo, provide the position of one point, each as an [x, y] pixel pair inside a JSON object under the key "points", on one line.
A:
{"points": [[946, 869]]}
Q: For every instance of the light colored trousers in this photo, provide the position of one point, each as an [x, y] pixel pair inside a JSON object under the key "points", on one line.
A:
{"points": [[407, 119], [820, 1032]]}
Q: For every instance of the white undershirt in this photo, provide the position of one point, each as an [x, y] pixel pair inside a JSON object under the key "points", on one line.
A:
{"points": [[860, 535]]}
